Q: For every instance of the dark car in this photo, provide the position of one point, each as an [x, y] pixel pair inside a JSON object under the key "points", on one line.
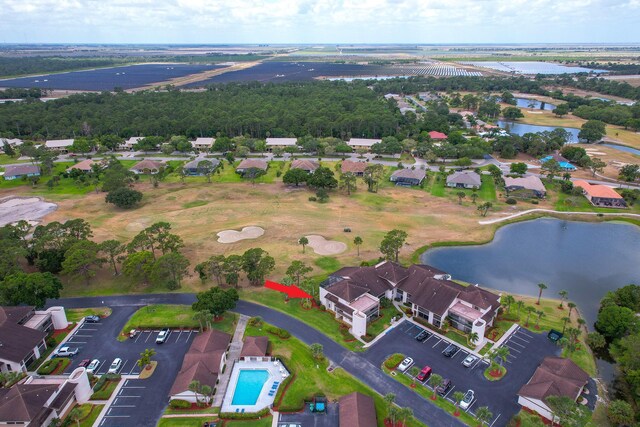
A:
{"points": [[424, 374], [92, 319], [451, 350], [444, 387], [84, 363], [423, 336]]}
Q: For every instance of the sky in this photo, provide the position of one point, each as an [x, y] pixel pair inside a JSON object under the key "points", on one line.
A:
{"points": [[320, 21]]}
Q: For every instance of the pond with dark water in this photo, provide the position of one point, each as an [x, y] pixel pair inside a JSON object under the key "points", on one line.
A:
{"points": [[534, 104], [522, 128]]}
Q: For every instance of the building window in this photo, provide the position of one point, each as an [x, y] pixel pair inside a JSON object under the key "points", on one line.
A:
{"points": [[437, 320]]}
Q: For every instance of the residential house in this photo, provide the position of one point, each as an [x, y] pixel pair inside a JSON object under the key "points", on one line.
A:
{"points": [[281, 143], [601, 195], [464, 179], [562, 162], [60, 145], [247, 164], [147, 167], [254, 348], [86, 165], [19, 171], [130, 143], [203, 144], [37, 401], [23, 333], [307, 165], [428, 96], [354, 293], [13, 142], [408, 177], [203, 362], [556, 376], [356, 168], [437, 136], [525, 187], [362, 143], [357, 410], [191, 168]]}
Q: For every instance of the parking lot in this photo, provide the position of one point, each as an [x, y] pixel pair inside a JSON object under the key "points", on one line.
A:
{"points": [[527, 351], [98, 341]]}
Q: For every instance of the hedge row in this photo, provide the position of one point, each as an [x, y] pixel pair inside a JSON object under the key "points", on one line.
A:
{"points": [[179, 404], [282, 333], [244, 415], [52, 364], [393, 360]]}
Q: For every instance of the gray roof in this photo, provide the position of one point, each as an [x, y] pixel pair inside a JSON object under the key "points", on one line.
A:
{"points": [[17, 341], [530, 182], [193, 164], [253, 163], [464, 177], [19, 170], [417, 174]]}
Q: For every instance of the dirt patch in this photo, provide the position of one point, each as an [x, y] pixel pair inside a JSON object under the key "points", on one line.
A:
{"points": [[322, 246], [31, 209], [232, 236]]}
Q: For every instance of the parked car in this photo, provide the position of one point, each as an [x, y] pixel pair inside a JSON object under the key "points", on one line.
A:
{"points": [[163, 336], [84, 363], [115, 366], [467, 400], [404, 365], [92, 319], [93, 366], [423, 336], [66, 351], [424, 374], [133, 333], [451, 350], [469, 360], [444, 387]]}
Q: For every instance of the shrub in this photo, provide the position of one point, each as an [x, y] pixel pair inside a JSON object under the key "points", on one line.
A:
{"points": [[179, 404], [282, 333], [534, 202], [124, 198], [511, 201], [312, 199], [49, 366], [255, 321], [244, 415], [393, 360]]}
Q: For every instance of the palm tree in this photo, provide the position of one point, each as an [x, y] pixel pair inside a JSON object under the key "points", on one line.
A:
{"points": [[581, 322], [540, 314], [206, 392], [457, 397], [405, 413], [483, 415], [145, 357], [461, 195], [194, 387], [474, 197], [529, 311], [393, 413], [436, 381], [563, 296], [507, 301], [565, 320], [542, 287], [473, 338], [74, 415], [501, 353], [304, 242], [357, 241], [571, 306], [202, 317], [389, 398], [519, 305]]}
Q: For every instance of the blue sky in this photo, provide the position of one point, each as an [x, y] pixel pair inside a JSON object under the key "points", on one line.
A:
{"points": [[319, 21]]}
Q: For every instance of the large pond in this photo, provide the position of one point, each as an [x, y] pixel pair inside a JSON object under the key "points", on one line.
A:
{"points": [[623, 148], [586, 259], [532, 103], [522, 128]]}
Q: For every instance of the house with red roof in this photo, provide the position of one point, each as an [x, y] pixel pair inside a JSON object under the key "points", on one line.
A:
{"points": [[437, 136], [601, 195]]}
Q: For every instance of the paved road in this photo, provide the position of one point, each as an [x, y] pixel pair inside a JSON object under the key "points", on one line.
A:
{"points": [[354, 363]]}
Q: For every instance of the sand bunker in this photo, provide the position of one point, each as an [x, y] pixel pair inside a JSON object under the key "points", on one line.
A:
{"points": [[232, 236], [322, 246], [31, 209]]}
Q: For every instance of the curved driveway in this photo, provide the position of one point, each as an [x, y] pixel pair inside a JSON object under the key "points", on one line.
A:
{"points": [[351, 362]]}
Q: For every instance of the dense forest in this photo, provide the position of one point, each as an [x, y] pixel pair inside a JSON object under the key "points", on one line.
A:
{"points": [[317, 109]]}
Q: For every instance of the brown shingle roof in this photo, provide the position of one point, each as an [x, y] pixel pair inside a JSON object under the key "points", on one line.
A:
{"points": [[530, 182], [305, 164], [253, 163], [556, 376], [357, 410], [254, 347], [464, 177], [391, 271], [417, 174], [23, 402], [85, 165], [347, 290], [147, 164], [17, 341], [19, 170], [353, 167]]}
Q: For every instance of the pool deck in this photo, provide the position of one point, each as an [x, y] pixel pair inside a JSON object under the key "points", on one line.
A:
{"points": [[277, 373]]}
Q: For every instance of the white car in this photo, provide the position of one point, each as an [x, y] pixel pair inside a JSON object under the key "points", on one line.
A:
{"points": [[66, 351], [162, 336], [469, 396], [405, 364], [469, 360], [115, 366], [93, 366]]}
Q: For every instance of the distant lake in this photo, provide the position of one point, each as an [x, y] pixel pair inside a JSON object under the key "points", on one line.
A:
{"points": [[522, 128], [532, 103], [623, 148], [586, 259]]}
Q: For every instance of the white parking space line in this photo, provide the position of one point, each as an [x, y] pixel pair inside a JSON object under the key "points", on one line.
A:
{"points": [[76, 342], [138, 337], [179, 335], [520, 338], [472, 403], [524, 332], [149, 336], [87, 329], [117, 416], [123, 406], [494, 421], [434, 346], [83, 336], [190, 332], [123, 365], [513, 349], [128, 396], [515, 343], [449, 392], [134, 386]]}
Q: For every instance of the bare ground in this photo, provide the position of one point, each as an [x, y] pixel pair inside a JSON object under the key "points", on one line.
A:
{"points": [[32, 209]]}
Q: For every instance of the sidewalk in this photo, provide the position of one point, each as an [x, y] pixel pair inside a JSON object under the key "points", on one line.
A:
{"points": [[234, 354]]}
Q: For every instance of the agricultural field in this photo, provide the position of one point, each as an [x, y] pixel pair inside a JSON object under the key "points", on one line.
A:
{"points": [[127, 77]]}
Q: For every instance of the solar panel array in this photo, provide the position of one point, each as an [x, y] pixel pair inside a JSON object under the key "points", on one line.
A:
{"points": [[439, 70]]}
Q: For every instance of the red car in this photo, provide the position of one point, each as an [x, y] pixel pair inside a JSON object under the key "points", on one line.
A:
{"points": [[424, 374], [84, 363]]}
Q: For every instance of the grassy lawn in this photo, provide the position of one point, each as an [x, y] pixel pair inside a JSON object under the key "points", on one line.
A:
{"points": [[264, 422], [6, 160], [312, 377], [173, 316], [184, 422], [77, 314], [438, 185], [426, 393], [206, 410], [316, 318], [384, 321], [458, 338], [105, 391], [88, 414]]}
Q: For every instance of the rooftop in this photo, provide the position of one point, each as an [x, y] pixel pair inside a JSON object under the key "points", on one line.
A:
{"points": [[357, 410], [58, 143], [530, 182], [282, 141], [362, 142], [354, 167], [596, 190], [465, 177], [253, 163], [556, 376]]}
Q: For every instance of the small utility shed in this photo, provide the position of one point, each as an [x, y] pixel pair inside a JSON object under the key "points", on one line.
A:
{"points": [[464, 179], [408, 177], [525, 187]]}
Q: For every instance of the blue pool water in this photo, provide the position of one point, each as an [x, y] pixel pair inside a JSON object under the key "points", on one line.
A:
{"points": [[249, 386]]}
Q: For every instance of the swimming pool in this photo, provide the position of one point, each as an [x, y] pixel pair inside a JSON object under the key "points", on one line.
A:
{"points": [[249, 386]]}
